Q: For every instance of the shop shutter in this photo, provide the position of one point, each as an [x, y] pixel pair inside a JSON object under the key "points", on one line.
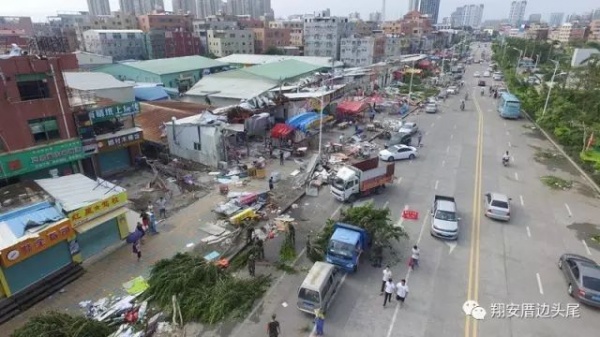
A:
{"points": [[114, 161], [95, 240]]}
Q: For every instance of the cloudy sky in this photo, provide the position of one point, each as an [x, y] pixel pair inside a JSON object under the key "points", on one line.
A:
{"points": [[494, 9]]}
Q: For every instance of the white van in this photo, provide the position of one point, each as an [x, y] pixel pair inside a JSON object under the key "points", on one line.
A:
{"points": [[317, 289]]}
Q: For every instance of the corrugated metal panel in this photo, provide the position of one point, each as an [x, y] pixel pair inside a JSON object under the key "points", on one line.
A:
{"points": [[96, 239], [114, 161]]}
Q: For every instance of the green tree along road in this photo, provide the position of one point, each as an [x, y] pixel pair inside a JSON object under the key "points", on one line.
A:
{"points": [[573, 113]]}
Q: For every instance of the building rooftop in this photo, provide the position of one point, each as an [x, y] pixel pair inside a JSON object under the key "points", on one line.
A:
{"points": [[175, 64], [27, 221], [255, 59], [88, 81], [283, 70], [112, 31], [76, 191], [239, 84], [154, 115]]}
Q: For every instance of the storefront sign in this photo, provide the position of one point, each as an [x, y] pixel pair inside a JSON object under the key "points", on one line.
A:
{"points": [[17, 163], [98, 208], [114, 111], [31, 246], [119, 141]]}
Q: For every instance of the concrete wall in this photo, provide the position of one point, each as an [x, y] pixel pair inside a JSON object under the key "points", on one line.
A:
{"points": [[188, 134]]}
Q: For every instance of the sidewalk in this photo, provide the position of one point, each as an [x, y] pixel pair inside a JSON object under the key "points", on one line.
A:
{"points": [[105, 277]]}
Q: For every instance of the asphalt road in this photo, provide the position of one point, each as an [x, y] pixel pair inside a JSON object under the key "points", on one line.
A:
{"points": [[493, 263]]}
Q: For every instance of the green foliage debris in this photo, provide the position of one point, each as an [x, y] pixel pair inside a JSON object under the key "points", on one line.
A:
{"points": [[556, 183], [55, 324]]}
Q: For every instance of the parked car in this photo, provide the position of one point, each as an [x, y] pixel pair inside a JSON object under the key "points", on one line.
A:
{"points": [[398, 152], [399, 138], [431, 108], [497, 206], [409, 127], [452, 90], [481, 83], [486, 74], [476, 74], [583, 278]]}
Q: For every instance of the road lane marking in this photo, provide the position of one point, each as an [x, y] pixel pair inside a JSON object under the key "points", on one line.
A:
{"points": [[279, 279], [454, 127], [528, 232], [587, 249], [443, 163], [397, 310], [569, 210], [539, 281], [509, 144], [436, 184], [448, 149], [386, 204], [507, 133], [451, 137], [432, 124], [522, 201], [516, 176]]}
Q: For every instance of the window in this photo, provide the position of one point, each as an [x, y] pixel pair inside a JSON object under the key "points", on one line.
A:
{"points": [[44, 129], [33, 86], [197, 146]]}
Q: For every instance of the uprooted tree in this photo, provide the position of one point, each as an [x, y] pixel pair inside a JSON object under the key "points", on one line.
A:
{"points": [[55, 324], [376, 221]]}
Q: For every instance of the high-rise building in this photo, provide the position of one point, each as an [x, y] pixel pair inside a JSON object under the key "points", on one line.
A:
{"points": [[254, 8], [535, 18], [431, 8], [556, 19], [596, 14], [467, 16], [322, 35], [184, 7], [517, 12], [141, 7], [99, 7], [206, 8], [376, 17], [413, 5], [127, 6]]}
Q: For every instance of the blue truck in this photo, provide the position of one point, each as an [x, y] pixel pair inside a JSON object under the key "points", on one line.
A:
{"points": [[346, 246]]}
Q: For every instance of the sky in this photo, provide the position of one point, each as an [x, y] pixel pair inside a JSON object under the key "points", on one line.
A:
{"points": [[494, 9]]}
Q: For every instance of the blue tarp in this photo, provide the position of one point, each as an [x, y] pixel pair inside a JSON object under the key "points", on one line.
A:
{"points": [[296, 120], [148, 94], [303, 125], [40, 213]]}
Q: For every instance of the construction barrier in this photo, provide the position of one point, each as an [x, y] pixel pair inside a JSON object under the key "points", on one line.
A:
{"points": [[410, 215]]}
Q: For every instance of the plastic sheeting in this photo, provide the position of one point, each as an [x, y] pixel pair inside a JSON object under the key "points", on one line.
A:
{"points": [[256, 125], [149, 94], [281, 130]]}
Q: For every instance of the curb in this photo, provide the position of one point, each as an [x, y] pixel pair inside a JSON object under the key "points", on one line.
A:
{"points": [[560, 149]]}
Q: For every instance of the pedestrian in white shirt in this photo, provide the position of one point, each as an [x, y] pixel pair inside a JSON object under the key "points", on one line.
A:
{"points": [[387, 274], [401, 292], [414, 258], [389, 290]]}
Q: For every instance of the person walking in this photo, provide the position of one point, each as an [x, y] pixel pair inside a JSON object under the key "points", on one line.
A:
{"points": [[414, 258], [273, 327], [292, 233], [260, 249], [389, 290], [281, 157], [401, 292], [419, 138], [137, 249], [140, 228], [319, 322], [152, 223], [271, 184], [249, 234], [162, 207], [387, 274], [251, 264]]}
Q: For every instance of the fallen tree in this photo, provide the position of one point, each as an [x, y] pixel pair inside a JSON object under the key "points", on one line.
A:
{"points": [[55, 324]]}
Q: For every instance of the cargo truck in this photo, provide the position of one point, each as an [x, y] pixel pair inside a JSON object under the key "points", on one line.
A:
{"points": [[346, 246], [360, 179]]}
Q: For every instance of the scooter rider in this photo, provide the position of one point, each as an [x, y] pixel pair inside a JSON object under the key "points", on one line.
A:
{"points": [[466, 96], [505, 158], [462, 105], [482, 91]]}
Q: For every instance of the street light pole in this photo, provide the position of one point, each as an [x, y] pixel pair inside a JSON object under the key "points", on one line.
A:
{"points": [[518, 60], [550, 88], [412, 74]]}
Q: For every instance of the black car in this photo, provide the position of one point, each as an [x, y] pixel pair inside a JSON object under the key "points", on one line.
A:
{"points": [[399, 138], [481, 83]]}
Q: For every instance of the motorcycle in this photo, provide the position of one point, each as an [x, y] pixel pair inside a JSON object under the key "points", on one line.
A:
{"points": [[462, 106], [505, 161]]}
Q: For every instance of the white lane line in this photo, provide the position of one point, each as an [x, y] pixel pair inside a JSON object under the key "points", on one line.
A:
{"points": [[522, 201], [397, 310], [386, 204], [448, 149], [432, 124], [587, 249], [509, 144], [569, 210], [443, 163], [516, 176], [528, 232], [451, 137], [436, 184], [507, 133], [454, 127], [539, 281], [504, 123]]}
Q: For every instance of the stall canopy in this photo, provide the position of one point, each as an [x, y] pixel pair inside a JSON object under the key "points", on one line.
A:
{"points": [[281, 130], [351, 107], [300, 118]]}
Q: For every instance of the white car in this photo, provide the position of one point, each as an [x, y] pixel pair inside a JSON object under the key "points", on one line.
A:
{"points": [[497, 206], [477, 74], [486, 74], [398, 152], [452, 90], [409, 127], [431, 108]]}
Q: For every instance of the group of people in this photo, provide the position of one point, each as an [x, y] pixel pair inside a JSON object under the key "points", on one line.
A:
{"points": [[388, 288], [148, 224]]}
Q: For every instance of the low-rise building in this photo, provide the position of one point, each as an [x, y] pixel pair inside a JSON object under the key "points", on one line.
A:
{"points": [[361, 51], [97, 85], [226, 42], [395, 46], [120, 44], [182, 43], [10, 37], [567, 32], [23, 23], [296, 28], [248, 60], [267, 38], [537, 32], [166, 22], [413, 23], [88, 61], [322, 35]]}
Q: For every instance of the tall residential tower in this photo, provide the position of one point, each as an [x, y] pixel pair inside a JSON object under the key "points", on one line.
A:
{"points": [[99, 7], [517, 13]]}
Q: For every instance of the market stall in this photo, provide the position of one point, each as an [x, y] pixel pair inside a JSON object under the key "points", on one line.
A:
{"points": [[351, 110]]}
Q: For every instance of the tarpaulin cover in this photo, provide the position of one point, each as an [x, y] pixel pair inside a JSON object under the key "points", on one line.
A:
{"points": [[147, 94], [257, 124], [351, 107], [281, 130], [298, 119]]}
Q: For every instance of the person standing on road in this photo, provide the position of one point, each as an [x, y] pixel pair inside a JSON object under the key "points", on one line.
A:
{"points": [[414, 258], [389, 290], [319, 322], [260, 248], [273, 328], [419, 138], [251, 264], [292, 233], [401, 292], [281, 157], [387, 274], [271, 184], [162, 207]]}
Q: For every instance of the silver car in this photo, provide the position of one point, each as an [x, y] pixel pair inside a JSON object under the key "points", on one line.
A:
{"points": [[497, 206], [583, 278]]}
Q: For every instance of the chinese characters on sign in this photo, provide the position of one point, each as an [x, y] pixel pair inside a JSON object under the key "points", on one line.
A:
{"points": [[120, 141], [534, 310], [98, 208], [31, 246], [114, 111]]}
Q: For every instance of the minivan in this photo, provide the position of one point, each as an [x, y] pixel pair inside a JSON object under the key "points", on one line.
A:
{"points": [[318, 288]]}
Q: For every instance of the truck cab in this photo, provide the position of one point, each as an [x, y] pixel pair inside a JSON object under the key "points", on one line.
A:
{"points": [[360, 179], [346, 246], [345, 184]]}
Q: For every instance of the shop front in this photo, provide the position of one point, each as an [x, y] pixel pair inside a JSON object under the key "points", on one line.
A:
{"points": [[60, 158], [36, 255], [117, 151]]}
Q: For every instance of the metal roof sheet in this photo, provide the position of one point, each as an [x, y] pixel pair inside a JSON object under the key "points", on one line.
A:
{"points": [[175, 64], [232, 84], [88, 81], [283, 70]]}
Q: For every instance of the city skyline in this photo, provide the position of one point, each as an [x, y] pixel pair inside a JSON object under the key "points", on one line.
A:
{"points": [[40, 9]]}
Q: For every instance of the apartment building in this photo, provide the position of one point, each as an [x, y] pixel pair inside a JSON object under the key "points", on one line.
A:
{"points": [[594, 31], [181, 43], [567, 32], [322, 36], [17, 23], [467, 16], [166, 22], [413, 23], [120, 44], [395, 46], [222, 43], [99, 7], [556, 19], [537, 32], [296, 28], [430, 8], [361, 51], [10, 37], [207, 8], [37, 131], [535, 18], [253, 8], [265, 38], [516, 15]]}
